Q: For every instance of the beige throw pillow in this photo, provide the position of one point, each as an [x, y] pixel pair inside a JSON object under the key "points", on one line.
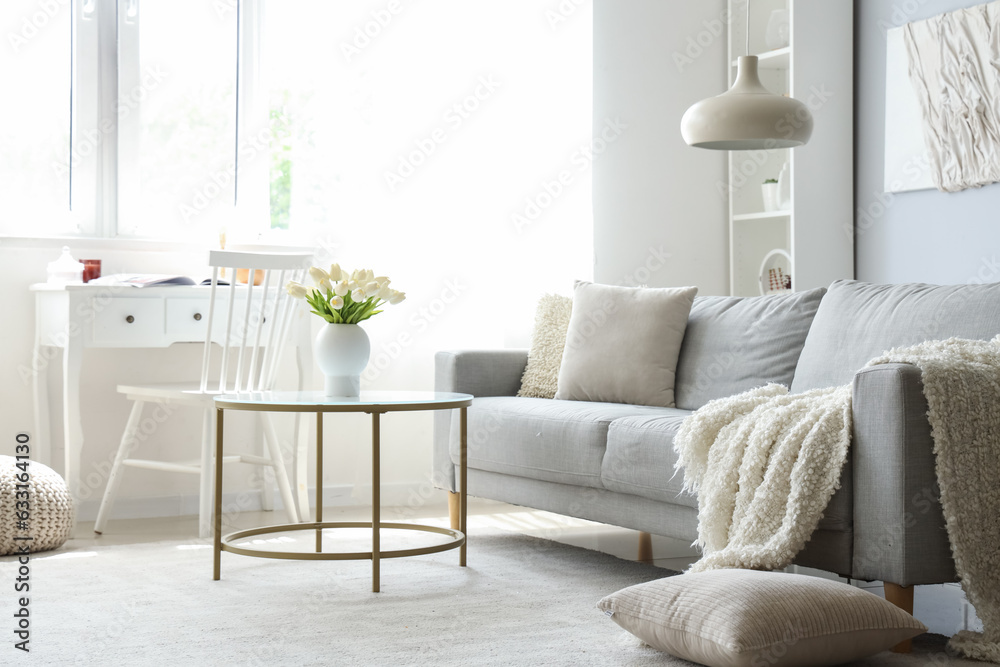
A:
{"points": [[622, 344], [548, 339], [746, 618]]}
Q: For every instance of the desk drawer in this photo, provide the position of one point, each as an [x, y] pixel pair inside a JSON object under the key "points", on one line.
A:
{"points": [[129, 322], [187, 320]]}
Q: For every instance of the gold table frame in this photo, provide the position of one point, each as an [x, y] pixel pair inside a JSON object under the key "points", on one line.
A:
{"points": [[368, 403]]}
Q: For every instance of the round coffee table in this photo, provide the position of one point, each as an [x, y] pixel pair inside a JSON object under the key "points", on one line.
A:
{"points": [[375, 403]]}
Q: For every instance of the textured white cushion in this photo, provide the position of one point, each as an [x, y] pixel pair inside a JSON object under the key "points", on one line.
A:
{"points": [[50, 507], [746, 618], [622, 344], [541, 375]]}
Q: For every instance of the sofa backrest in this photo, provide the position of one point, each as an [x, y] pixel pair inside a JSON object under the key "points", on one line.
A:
{"points": [[733, 344], [859, 321]]}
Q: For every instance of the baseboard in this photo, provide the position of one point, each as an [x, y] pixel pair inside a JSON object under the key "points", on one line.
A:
{"points": [[404, 494]]}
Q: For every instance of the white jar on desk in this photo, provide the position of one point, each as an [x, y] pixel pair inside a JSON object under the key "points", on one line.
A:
{"points": [[65, 270]]}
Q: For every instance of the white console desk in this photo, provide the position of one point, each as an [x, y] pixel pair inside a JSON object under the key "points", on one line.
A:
{"points": [[77, 317]]}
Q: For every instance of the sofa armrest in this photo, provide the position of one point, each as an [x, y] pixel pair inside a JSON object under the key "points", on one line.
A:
{"points": [[899, 528], [480, 372], [476, 372]]}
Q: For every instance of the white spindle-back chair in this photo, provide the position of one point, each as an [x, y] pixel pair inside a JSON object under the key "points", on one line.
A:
{"points": [[251, 324]]}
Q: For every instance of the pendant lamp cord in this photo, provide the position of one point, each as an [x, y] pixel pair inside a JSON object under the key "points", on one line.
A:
{"points": [[748, 27]]}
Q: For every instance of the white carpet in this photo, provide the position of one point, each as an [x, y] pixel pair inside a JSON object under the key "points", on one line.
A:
{"points": [[521, 601]]}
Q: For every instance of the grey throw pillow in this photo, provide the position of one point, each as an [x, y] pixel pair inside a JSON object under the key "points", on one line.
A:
{"points": [[541, 375], [859, 321], [733, 344], [622, 344]]}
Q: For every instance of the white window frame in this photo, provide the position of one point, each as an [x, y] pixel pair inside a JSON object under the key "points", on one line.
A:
{"points": [[103, 34]]}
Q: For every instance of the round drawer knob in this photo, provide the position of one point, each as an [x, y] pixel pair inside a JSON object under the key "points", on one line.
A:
{"points": [[130, 319], [197, 317]]}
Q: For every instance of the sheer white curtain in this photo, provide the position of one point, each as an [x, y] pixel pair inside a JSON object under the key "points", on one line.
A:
{"points": [[443, 143]]}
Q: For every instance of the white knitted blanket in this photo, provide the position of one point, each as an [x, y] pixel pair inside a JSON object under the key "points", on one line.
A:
{"points": [[764, 465]]}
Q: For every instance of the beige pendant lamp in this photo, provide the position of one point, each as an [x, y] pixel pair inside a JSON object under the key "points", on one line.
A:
{"points": [[747, 116]]}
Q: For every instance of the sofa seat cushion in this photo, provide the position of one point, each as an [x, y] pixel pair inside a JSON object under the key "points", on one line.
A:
{"points": [[640, 458], [545, 439], [640, 461]]}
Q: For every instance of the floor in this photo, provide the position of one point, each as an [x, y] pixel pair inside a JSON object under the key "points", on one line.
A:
{"points": [[943, 608], [668, 553]]}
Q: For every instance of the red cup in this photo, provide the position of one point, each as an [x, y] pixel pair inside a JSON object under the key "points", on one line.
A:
{"points": [[91, 269]]}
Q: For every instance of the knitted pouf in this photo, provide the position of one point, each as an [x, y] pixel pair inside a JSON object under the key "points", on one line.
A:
{"points": [[50, 508]]}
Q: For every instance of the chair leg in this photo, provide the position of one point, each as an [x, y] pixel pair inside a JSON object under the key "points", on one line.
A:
{"points": [[271, 442], [902, 597], [115, 476], [206, 475]]}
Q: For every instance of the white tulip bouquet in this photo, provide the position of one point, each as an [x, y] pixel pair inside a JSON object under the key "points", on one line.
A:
{"points": [[340, 297]]}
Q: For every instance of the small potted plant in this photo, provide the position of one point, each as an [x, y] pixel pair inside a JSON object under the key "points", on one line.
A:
{"points": [[769, 190]]}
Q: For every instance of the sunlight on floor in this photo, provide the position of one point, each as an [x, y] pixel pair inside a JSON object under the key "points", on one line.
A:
{"points": [[483, 515]]}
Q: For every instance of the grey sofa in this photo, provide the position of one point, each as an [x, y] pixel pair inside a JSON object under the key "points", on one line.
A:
{"points": [[614, 463]]}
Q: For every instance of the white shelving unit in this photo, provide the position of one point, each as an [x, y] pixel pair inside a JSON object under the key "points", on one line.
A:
{"points": [[817, 68]]}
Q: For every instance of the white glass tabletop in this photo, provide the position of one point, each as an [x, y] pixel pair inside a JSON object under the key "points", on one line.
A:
{"points": [[316, 401]]}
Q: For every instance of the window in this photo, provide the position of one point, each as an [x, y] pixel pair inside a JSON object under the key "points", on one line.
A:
{"points": [[35, 118], [456, 129], [176, 111], [449, 138]]}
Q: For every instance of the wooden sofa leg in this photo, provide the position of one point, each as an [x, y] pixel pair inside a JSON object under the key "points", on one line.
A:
{"points": [[645, 548], [902, 597], [453, 509]]}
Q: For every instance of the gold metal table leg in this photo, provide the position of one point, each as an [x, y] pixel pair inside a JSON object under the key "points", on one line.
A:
{"points": [[217, 525], [464, 455], [376, 500], [319, 481]]}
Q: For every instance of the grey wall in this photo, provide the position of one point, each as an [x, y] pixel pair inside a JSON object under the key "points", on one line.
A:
{"points": [[925, 236], [653, 194]]}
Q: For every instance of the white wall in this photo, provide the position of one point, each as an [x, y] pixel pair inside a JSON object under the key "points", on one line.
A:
{"points": [[652, 192], [921, 236]]}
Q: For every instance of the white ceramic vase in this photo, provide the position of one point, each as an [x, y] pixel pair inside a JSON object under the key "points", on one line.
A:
{"points": [[342, 352], [769, 193]]}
